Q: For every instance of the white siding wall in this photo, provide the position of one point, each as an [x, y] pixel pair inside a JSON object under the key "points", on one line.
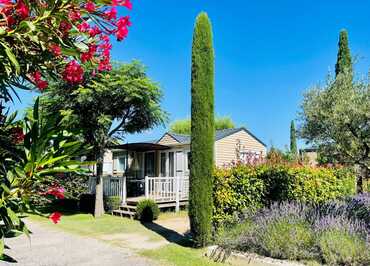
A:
{"points": [[167, 140], [225, 149]]}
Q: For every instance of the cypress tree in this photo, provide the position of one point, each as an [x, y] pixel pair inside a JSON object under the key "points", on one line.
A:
{"points": [[202, 131], [293, 139], [344, 61]]}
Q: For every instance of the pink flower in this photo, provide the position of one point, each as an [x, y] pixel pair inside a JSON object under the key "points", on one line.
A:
{"points": [[125, 3], [104, 64], [22, 9], [58, 192], [64, 27], [73, 73], [83, 27], [122, 29], [74, 15], [89, 54], [111, 14], [94, 31], [37, 79], [55, 49], [55, 217], [90, 6]]}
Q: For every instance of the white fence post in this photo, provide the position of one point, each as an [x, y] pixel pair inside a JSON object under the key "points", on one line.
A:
{"points": [[177, 208], [146, 187], [124, 192]]}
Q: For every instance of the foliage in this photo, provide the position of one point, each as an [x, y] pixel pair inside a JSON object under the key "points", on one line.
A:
{"points": [[42, 151], [342, 248], [344, 60], [236, 189], [293, 140], [252, 186], [202, 131], [112, 203], [335, 116], [43, 39], [285, 240], [303, 231], [109, 105], [147, 210], [183, 126]]}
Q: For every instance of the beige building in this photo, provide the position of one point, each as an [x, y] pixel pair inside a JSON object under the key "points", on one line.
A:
{"points": [[169, 156]]}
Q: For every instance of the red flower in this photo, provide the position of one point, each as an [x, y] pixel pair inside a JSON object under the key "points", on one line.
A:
{"points": [[122, 29], [83, 27], [58, 192], [22, 9], [104, 64], [74, 15], [55, 217], [89, 54], [55, 49], [90, 6], [94, 31], [73, 73], [125, 3], [64, 27], [17, 135], [111, 14], [41, 84]]}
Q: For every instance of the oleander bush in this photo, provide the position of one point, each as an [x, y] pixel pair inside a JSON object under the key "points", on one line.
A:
{"points": [[147, 210], [335, 233], [243, 186]]}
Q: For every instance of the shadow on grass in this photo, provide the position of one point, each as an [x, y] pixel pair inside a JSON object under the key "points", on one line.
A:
{"points": [[170, 235]]}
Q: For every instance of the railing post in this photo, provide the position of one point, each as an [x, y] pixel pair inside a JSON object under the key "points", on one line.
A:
{"points": [[177, 180], [124, 195], [146, 187]]}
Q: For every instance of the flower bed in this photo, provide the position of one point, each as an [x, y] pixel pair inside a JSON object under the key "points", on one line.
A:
{"points": [[336, 232]]}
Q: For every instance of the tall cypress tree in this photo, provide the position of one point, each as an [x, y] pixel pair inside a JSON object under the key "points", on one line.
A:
{"points": [[202, 131], [344, 60], [293, 139]]}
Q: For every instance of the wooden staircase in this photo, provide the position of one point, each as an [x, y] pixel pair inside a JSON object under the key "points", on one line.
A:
{"points": [[126, 210]]}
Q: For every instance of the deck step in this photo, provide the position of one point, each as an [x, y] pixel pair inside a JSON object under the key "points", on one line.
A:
{"points": [[124, 212], [128, 207]]}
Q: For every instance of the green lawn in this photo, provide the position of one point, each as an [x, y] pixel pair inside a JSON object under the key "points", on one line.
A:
{"points": [[170, 254]]}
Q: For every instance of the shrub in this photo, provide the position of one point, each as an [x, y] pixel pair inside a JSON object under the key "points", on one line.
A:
{"points": [[87, 203], [246, 186], [112, 203], [147, 210], [336, 233], [285, 240], [339, 247]]}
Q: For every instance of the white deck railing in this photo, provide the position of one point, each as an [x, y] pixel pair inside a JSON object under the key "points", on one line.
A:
{"points": [[112, 186], [160, 189]]}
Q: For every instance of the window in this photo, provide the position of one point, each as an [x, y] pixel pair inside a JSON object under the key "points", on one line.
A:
{"points": [[121, 163], [171, 161], [163, 164], [149, 158]]}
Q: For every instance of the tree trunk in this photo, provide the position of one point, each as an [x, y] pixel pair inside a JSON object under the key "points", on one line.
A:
{"points": [[99, 202], [361, 176]]}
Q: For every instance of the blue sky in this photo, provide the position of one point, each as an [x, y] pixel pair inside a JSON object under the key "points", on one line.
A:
{"points": [[267, 54]]}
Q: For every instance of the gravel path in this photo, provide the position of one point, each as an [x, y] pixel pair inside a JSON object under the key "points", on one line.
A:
{"points": [[50, 247]]}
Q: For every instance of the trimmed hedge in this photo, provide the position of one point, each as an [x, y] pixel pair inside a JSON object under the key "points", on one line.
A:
{"points": [[249, 187], [112, 203]]}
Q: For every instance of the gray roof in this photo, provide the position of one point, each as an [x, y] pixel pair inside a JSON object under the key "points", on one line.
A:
{"points": [[220, 134]]}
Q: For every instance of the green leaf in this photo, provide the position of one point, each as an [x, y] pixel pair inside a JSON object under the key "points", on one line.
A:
{"points": [[12, 58], [2, 246], [13, 217]]}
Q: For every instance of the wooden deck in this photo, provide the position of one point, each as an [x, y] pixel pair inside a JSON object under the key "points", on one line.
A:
{"points": [[132, 201]]}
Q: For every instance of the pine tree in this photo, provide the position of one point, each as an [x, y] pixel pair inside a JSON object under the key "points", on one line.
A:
{"points": [[293, 140], [344, 61], [202, 131]]}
